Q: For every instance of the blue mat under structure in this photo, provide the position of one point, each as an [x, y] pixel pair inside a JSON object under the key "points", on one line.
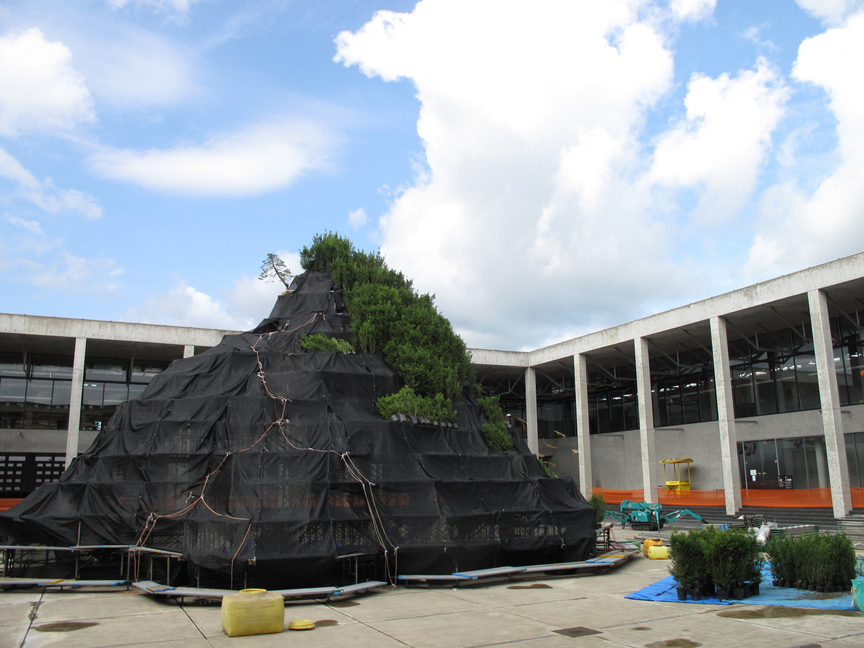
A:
{"points": [[664, 590]]}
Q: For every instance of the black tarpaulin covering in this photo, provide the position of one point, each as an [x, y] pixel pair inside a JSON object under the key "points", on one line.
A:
{"points": [[259, 458]]}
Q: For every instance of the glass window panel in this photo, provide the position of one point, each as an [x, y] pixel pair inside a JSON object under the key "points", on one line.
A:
{"points": [[743, 449], [115, 394], [743, 396], [787, 384], [42, 366], [113, 370], [12, 390], [707, 397], [39, 391], [851, 460], [812, 466], [766, 401], [690, 400], [144, 370], [93, 394], [630, 410], [859, 456], [12, 368], [850, 352], [603, 424], [792, 462], [62, 392], [805, 373]]}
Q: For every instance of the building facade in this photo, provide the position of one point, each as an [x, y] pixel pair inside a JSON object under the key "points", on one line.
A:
{"points": [[762, 387]]}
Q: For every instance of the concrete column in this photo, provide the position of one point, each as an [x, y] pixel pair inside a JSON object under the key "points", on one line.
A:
{"points": [[580, 367], [829, 397], [77, 392], [646, 420], [531, 409], [725, 415], [188, 351]]}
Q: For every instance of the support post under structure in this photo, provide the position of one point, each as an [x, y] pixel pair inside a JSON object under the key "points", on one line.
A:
{"points": [[75, 397], [829, 398], [725, 415], [531, 409], [580, 366], [646, 420], [188, 351]]}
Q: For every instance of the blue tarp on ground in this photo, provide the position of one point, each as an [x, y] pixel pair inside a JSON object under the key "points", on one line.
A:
{"points": [[664, 590]]}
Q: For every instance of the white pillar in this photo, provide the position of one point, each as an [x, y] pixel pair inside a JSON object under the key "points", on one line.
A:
{"points": [[829, 397], [188, 351], [580, 367], [646, 420], [725, 415], [75, 397], [531, 409]]}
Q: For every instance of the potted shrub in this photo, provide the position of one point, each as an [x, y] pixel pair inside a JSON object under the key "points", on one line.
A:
{"points": [[686, 555]]}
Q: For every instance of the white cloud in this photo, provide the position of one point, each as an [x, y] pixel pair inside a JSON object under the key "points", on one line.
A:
{"points": [[44, 194], [241, 307], [535, 191], [180, 7], [832, 12], [798, 227], [692, 9], [264, 157], [31, 226], [723, 140], [40, 90], [69, 274], [357, 217], [131, 68]]}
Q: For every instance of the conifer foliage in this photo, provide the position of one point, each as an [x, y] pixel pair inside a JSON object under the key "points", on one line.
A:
{"points": [[388, 315]]}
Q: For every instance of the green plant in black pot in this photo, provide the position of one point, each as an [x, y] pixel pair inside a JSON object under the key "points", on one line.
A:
{"points": [[686, 554], [754, 563]]}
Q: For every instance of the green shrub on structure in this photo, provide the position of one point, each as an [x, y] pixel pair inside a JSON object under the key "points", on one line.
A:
{"points": [[495, 427], [598, 501], [407, 402], [320, 342], [388, 315]]}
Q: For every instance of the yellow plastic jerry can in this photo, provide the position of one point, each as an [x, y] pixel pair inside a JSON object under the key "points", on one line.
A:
{"points": [[252, 612], [650, 542]]}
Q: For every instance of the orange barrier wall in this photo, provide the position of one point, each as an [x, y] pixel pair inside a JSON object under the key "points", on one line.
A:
{"points": [[8, 502], [796, 498], [857, 497], [617, 496], [691, 498]]}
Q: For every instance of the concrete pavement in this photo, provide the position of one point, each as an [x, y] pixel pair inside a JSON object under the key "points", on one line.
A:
{"points": [[521, 615]]}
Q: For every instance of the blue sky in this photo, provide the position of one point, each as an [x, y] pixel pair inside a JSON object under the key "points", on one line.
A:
{"points": [[545, 169]]}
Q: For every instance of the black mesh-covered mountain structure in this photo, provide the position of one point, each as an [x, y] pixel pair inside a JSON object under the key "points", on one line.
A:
{"points": [[263, 459]]}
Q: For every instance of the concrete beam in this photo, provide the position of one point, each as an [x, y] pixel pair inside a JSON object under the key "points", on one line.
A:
{"points": [[113, 331], [646, 420], [725, 415], [531, 409], [829, 397], [586, 484], [792, 285]]}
